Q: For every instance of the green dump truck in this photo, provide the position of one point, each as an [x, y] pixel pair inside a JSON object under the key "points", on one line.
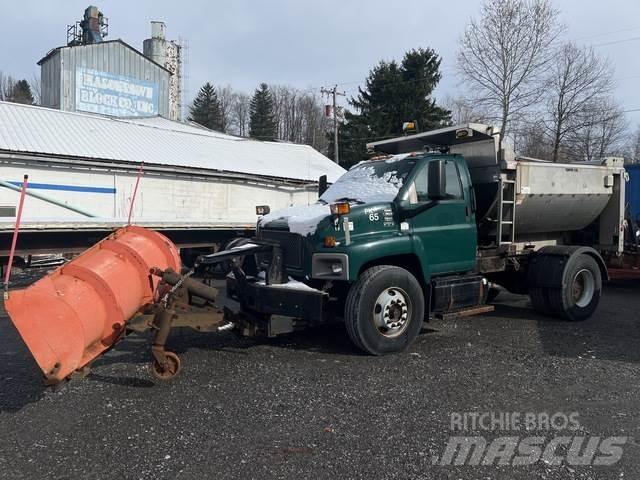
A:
{"points": [[431, 226]]}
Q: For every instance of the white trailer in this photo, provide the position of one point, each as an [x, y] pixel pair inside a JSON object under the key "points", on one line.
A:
{"points": [[82, 171]]}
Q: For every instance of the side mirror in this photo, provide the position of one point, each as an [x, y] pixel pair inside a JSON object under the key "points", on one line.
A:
{"points": [[437, 187], [322, 185]]}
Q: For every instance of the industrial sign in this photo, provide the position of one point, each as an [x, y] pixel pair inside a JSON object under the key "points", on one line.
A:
{"points": [[115, 95]]}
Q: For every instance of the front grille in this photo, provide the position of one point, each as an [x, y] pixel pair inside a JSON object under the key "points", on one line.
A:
{"points": [[291, 244]]}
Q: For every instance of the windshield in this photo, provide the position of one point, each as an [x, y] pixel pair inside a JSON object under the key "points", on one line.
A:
{"points": [[375, 181]]}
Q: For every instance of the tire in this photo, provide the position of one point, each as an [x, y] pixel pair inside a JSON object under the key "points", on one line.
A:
{"points": [[540, 301], [384, 310], [492, 294], [580, 293], [248, 264]]}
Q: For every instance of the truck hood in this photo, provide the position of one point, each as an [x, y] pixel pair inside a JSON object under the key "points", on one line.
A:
{"points": [[302, 220], [311, 219]]}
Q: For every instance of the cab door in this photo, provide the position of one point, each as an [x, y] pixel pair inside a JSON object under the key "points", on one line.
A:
{"points": [[446, 233]]}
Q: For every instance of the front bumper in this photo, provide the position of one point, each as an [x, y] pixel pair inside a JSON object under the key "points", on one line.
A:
{"points": [[255, 297]]}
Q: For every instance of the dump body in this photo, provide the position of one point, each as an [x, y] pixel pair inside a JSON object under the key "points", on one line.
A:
{"points": [[79, 310], [554, 197]]}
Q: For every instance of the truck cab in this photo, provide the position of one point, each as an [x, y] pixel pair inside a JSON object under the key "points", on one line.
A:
{"points": [[383, 208]]}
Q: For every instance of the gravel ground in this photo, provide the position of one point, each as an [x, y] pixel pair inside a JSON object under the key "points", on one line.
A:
{"points": [[310, 406]]}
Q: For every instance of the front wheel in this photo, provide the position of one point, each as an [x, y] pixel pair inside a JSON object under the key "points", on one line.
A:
{"points": [[384, 310]]}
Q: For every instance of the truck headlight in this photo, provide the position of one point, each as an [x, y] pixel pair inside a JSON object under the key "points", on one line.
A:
{"points": [[336, 268]]}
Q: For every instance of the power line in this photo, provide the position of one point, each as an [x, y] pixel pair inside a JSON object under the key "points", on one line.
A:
{"points": [[604, 34], [614, 42], [451, 69]]}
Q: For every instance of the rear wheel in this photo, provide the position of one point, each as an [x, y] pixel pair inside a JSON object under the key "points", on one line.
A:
{"points": [[493, 293], [384, 310], [579, 295]]}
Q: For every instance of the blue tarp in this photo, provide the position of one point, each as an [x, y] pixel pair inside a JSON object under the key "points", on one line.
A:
{"points": [[633, 190]]}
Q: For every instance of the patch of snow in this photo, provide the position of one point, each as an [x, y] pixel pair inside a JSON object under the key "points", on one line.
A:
{"points": [[243, 247], [302, 220], [368, 182], [25, 128], [397, 158], [363, 183], [292, 284]]}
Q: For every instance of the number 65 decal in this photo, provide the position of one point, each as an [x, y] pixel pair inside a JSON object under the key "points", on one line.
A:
{"points": [[374, 217]]}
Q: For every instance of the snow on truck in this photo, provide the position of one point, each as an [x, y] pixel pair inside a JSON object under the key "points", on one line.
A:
{"points": [[428, 228]]}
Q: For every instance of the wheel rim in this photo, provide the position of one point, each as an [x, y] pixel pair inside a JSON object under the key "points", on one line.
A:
{"points": [[168, 371], [392, 311], [583, 288]]}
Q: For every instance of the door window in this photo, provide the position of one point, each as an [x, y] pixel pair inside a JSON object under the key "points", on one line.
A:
{"points": [[454, 188], [421, 183], [420, 191]]}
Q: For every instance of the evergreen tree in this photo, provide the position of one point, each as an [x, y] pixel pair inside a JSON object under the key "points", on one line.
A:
{"points": [[262, 125], [206, 109], [20, 92], [393, 94]]}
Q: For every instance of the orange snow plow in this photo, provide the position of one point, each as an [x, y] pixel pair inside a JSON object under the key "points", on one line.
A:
{"points": [[81, 309], [132, 281]]}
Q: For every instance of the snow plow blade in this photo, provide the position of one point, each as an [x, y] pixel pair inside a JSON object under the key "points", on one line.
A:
{"points": [[79, 311]]}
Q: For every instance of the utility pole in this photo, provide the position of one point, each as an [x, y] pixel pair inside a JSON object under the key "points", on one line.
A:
{"points": [[334, 92]]}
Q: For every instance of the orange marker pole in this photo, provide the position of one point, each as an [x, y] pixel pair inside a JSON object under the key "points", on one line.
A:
{"points": [[14, 241], [135, 192]]}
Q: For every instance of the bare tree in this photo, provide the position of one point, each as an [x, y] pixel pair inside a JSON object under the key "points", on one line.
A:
{"points": [[299, 116], [226, 97], [577, 78], [503, 55], [634, 149], [464, 110], [533, 138], [7, 84], [603, 134], [240, 110], [36, 89], [316, 123]]}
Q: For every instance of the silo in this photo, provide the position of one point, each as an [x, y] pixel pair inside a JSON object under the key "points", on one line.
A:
{"points": [[168, 54], [112, 78]]}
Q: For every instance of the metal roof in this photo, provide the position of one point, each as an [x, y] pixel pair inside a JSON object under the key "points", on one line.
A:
{"points": [[94, 45], [156, 141]]}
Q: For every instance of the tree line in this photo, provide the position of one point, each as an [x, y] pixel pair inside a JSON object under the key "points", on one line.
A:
{"points": [[552, 98], [17, 91], [273, 112]]}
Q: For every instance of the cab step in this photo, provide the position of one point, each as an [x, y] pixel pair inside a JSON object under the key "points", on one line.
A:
{"points": [[465, 312]]}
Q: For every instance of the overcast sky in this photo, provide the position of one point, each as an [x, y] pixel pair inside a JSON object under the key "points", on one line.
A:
{"points": [[309, 43]]}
